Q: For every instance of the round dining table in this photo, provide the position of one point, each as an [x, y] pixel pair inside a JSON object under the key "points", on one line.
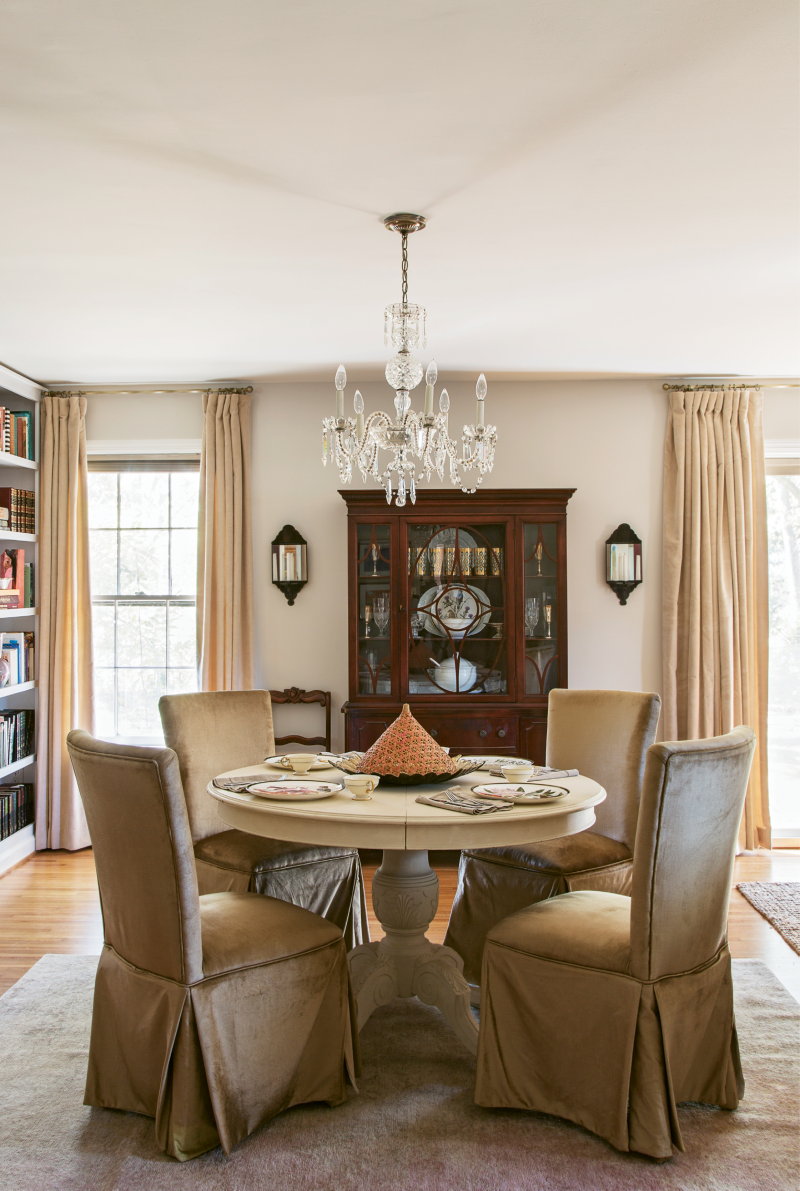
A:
{"points": [[405, 889]]}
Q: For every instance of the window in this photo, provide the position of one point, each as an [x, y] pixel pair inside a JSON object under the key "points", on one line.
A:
{"points": [[143, 559], [783, 727]]}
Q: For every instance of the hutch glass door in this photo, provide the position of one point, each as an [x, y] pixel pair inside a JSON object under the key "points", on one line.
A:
{"points": [[540, 608], [457, 602], [375, 620]]}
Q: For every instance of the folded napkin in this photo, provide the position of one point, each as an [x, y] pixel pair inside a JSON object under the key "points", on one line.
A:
{"points": [[456, 799], [239, 785], [543, 772]]}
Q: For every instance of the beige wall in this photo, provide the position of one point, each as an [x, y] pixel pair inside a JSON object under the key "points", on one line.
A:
{"points": [[606, 439], [781, 415]]}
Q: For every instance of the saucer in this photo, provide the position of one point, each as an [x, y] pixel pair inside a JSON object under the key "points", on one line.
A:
{"points": [[276, 762]]}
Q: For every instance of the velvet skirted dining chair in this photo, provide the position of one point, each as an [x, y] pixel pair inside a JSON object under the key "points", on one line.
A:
{"points": [[611, 1010], [213, 732], [605, 735], [211, 1014]]}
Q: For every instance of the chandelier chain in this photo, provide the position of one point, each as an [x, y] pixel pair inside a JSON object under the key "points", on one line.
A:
{"points": [[405, 268]]}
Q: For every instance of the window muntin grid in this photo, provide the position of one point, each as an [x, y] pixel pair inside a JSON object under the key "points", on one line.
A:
{"points": [[143, 542]]}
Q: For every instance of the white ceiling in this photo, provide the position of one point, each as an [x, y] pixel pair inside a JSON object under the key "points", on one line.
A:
{"points": [[193, 188]]}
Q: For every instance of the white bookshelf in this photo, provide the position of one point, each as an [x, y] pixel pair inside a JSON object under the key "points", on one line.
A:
{"points": [[17, 689], [16, 848], [19, 393]]}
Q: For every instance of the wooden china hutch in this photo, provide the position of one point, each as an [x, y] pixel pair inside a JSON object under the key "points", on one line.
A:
{"points": [[458, 606]]}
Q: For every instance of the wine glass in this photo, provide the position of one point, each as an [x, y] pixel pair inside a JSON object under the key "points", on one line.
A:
{"points": [[531, 614], [380, 611]]}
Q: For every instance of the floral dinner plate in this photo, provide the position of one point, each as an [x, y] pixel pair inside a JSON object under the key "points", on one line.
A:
{"points": [[296, 791], [522, 792]]}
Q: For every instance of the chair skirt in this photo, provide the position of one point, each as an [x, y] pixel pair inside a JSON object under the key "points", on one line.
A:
{"points": [[605, 1050], [212, 1061]]}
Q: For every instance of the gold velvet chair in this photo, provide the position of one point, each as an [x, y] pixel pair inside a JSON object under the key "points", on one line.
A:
{"points": [[606, 735], [213, 732], [211, 1014], [611, 1010]]}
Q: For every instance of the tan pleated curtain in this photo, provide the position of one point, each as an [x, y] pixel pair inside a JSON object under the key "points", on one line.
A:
{"points": [[715, 584], [64, 644], [225, 556]]}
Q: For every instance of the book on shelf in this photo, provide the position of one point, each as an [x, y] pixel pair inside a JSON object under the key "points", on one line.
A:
{"points": [[16, 580], [21, 506], [16, 808], [16, 432], [16, 736], [19, 651]]}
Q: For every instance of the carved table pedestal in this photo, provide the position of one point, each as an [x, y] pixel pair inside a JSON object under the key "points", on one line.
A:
{"points": [[405, 894]]}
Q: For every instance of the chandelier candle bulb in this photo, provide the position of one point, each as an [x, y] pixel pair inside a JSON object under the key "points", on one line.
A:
{"points": [[340, 382], [480, 392], [430, 380]]}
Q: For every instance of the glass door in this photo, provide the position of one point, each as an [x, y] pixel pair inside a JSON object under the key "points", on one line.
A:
{"points": [[540, 607], [457, 609], [375, 621]]}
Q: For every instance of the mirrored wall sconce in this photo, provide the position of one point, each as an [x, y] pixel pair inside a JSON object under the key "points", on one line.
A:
{"points": [[623, 562], [289, 562]]}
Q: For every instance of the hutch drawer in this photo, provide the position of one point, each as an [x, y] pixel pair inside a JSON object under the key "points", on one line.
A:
{"points": [[472, 733]]}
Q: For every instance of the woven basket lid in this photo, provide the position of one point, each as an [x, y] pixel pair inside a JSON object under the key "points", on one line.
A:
{"points": [[405, 747]]}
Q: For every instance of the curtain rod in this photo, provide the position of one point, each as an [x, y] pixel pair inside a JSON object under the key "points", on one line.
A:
{"points": [[708, 388], [118, 392], [722, 388]]}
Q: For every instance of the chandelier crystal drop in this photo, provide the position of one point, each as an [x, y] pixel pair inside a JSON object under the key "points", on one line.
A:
{"points": [[408, 435]]}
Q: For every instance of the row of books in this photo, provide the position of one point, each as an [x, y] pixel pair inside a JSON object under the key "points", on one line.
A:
{"points": [[16, 808], [18, 510], [17, 580], [18, 651], [16, 736], [16, 432]]}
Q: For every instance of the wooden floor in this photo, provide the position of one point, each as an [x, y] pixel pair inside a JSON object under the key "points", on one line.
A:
{"points": [[49, 903]]}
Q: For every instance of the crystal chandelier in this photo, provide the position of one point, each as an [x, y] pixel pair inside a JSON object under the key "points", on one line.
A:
{"points": [[356, 442]]}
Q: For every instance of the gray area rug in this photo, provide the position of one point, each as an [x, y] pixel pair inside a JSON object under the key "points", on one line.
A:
{"points": [[413, 1127], [779, 902]]}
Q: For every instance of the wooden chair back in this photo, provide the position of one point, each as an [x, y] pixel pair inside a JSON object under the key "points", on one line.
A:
{"points": [[294, 695]]}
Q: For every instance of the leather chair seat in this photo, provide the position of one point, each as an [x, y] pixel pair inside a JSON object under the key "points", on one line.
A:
{"points": [[243, 930], [247, 853], [569, 855], [587, 928]]}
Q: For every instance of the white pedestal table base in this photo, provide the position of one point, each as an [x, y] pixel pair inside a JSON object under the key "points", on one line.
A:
{"points": [[405, 894]]}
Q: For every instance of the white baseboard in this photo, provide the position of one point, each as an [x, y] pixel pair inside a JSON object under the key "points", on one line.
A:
{"points": [[16, 848]]}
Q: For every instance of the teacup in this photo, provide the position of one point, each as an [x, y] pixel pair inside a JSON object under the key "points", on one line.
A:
{"points": [[517, 771], [361, 785], [298, 762]]}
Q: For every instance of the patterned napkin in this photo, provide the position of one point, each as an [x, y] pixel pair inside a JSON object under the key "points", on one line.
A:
{"points": [[456, 799], [240, 785], [543, 772]]}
